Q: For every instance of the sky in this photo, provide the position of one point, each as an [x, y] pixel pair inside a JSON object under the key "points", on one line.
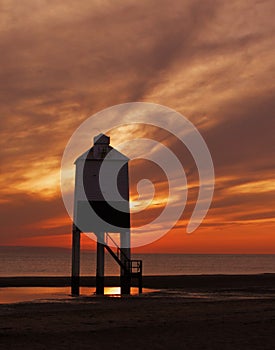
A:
{"points": [[212, 61]]}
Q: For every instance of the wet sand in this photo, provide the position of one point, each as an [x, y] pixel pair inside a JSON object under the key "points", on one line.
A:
{"points": [[188, 282], [197, 312]]}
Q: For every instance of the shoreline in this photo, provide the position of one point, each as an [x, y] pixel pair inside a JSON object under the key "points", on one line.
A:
{"points": [[189, 282]]}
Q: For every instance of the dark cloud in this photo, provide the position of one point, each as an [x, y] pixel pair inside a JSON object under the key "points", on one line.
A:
{"points": [[27, 216], [244, 140]]}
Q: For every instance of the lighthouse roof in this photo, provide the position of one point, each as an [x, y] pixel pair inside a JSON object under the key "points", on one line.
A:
{"points": [[103, 141]]}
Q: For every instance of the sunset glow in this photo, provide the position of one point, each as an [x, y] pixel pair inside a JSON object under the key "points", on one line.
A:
{"points": [[214, 68]]}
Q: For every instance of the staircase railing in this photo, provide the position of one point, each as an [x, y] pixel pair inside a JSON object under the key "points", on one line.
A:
{"points": [[134, 267]]}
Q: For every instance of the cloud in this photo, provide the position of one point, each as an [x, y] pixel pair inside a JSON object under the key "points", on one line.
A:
{"points": [[212, 61]]}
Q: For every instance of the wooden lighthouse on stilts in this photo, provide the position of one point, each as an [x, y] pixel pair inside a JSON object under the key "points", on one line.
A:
{"points": [[101, 206]]}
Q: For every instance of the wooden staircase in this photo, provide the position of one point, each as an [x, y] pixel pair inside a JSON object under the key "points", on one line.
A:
{"points": [[132, 268]]}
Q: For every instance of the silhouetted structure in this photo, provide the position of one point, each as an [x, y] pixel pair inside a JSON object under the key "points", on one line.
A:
{"points": [[101, 209]]}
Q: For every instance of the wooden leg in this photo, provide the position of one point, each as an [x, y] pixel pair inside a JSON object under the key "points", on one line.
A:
{"points": [[75, 260], [125, 275], [100, 264]]}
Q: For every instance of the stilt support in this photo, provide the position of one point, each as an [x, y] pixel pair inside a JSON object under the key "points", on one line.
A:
{"points": [[125, 274], [100, 264], [75, 261]]}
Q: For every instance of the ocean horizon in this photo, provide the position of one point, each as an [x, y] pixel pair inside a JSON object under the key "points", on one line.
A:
{"points": [[42, 261]]}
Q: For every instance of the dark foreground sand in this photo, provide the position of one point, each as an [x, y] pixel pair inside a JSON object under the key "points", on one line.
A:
{"points": [[213, 315]]}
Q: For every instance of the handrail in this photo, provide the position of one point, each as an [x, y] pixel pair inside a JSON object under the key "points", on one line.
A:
{"points": [[127, 264], [132, 268], [118, 247], [114, 256]]}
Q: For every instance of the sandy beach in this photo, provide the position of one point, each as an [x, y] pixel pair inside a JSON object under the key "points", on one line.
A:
{"points": [[188, 312]]}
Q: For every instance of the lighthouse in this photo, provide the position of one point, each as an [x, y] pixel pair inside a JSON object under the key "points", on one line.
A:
{"points": [[101, 206]]}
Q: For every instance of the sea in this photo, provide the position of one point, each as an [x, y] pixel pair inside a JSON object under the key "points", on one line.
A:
{"points": [[33, 261]]}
